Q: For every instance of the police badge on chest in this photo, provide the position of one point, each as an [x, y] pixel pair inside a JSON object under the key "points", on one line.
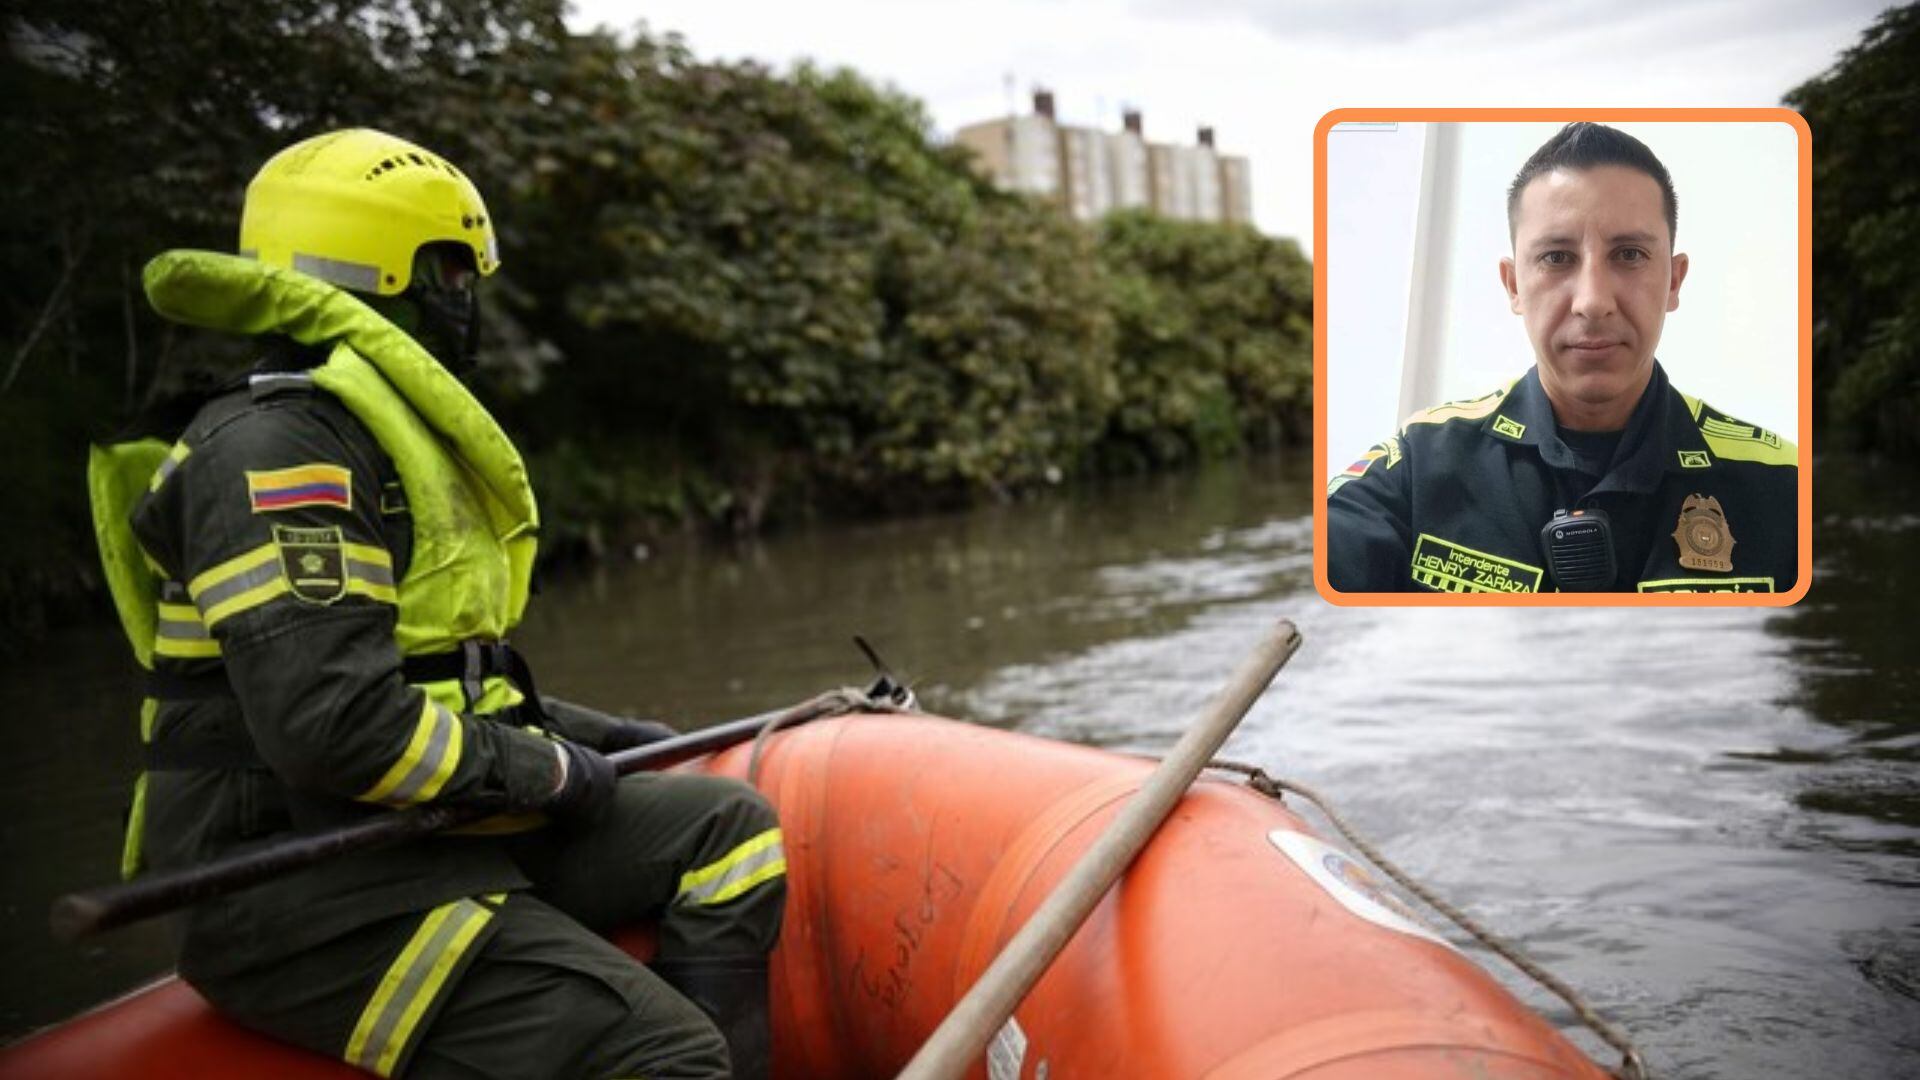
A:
{"points": [[1706, 542]]}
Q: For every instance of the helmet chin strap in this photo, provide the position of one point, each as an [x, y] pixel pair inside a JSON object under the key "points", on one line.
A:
{"points": [[449, 325], [444, 319]]}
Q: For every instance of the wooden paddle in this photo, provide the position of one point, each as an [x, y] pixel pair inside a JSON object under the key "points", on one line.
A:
{"points": [[77, 915], [961, 1038]]}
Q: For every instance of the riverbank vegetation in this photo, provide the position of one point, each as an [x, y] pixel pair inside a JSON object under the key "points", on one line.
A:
{"points": [[1866, 237], [730, 296]]}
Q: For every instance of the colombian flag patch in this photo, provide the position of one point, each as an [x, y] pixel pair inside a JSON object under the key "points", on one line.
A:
{"points": [[302, 485], [1359, 468]]}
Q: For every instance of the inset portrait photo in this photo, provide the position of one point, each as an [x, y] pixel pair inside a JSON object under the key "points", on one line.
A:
{"points": [[1563, 357]]}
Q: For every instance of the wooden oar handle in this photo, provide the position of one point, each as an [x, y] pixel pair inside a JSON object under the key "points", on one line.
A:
{"points": [[961, 1038]]}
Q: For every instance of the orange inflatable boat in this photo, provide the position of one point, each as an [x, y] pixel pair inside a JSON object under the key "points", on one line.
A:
{"points": [[1238, 947]]}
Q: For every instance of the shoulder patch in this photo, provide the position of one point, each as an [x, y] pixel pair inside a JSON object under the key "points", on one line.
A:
{"points": [[1392, 447], [314, 562], [1359, 468], [1388, 449], [1471, 409], [1733, 440], [1728, 428], [302, 485]]}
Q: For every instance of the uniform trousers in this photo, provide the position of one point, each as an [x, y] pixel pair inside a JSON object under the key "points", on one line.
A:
{"points": [[540, 992]]}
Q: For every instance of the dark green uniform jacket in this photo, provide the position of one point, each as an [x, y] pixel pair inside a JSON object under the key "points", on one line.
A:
{"points": [[319, 573], [294, 564], [1455, 502]]}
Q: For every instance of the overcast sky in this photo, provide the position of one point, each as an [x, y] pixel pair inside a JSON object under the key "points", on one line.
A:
{"points": [[1263, 73]]}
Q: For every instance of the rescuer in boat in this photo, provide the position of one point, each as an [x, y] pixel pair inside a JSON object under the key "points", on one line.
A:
{"points": [[1591, 472], [319, 571]]}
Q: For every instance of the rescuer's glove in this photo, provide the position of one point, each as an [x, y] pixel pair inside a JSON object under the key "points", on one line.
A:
{"points": [[584, 791]]}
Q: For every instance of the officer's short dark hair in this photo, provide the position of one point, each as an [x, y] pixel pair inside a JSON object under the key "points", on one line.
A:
{"points": [[1584, 145]]}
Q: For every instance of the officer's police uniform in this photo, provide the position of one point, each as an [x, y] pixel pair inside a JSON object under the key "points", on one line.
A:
{"points": [[1456, 501], [318, 573]]}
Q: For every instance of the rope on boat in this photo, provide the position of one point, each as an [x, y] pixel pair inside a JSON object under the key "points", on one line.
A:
{"points": [[881, 697], [1632, 1065]]}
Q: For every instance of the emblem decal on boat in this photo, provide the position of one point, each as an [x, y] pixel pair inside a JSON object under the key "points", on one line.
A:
{"points": [[1348, 882]]}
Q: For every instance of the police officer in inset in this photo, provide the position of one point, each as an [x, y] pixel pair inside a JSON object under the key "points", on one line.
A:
{"points": [[1591, 471], [319, 572]]}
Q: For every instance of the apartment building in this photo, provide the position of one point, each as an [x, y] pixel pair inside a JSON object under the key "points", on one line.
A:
{"points": [[1090, 172]]}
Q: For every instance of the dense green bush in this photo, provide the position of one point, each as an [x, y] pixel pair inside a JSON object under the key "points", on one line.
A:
{"points": [[1215, 339], [785, 273]]}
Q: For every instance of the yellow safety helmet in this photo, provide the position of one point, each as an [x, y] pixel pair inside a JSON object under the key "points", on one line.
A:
{"points": [[352, 207]]}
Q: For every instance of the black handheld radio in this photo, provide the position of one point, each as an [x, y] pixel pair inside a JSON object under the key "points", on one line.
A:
{"points": [[1579, 547]]}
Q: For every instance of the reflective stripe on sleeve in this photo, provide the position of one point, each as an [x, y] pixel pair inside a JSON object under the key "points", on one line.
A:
{"points": [[242, 582], [181, 635], [424, 766], [370, 572], [251, 579], [171, 462], [411, 984], [759, 859]]}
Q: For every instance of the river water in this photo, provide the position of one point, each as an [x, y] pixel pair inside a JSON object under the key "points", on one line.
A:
{"points": [[1707, 821]]}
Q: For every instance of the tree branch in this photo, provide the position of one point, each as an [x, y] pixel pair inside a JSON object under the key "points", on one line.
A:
{"points": [[55, 301]]}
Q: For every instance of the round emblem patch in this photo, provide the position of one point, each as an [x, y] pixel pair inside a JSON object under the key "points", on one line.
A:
{"points": [[1350, 884]]}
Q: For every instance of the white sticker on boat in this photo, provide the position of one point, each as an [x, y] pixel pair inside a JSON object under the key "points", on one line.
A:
{"points": [[1348, 882], [1008, 1052]]}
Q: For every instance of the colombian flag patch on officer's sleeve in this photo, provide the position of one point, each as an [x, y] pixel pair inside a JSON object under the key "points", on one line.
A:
{"points": [[1359, 468], [302, 485]]}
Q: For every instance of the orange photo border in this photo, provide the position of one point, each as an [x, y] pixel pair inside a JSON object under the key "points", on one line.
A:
{"points": [[1551, 115]]}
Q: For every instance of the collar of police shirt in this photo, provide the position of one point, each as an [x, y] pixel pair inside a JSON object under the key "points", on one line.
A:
{"points": [[1642, 459]]}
